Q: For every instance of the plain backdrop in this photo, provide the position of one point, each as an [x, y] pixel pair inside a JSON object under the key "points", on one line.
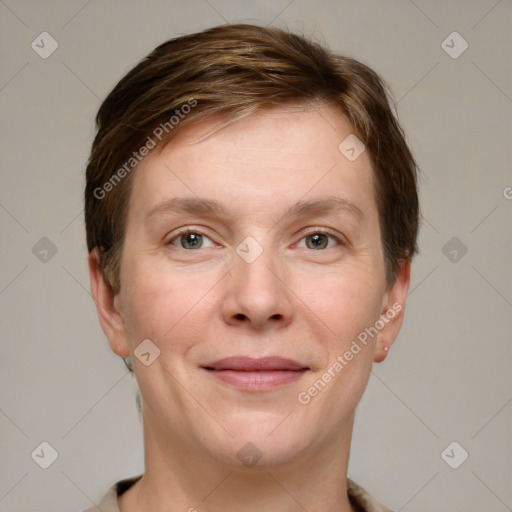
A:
{"points": [[447, 378]]}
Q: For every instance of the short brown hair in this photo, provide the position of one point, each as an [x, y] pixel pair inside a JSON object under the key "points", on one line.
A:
{"points": [[233, 70]]}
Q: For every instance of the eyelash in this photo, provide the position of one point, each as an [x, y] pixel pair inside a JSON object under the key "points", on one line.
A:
{"points": [[317, 231]]}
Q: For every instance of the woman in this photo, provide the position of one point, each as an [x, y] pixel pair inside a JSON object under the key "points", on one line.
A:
{"points": [[251, 215]]}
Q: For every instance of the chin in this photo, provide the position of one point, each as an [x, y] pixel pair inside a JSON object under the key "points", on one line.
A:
{"points": [[261, 441]]}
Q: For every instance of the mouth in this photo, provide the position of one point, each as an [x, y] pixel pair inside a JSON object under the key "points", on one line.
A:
{"points": [[255, 375]]}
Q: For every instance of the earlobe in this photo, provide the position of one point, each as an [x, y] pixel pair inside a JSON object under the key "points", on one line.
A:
{"points": [[393, 311], [107, 307]]}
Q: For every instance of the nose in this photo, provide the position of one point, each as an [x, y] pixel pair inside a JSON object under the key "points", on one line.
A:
{"points": [[257, 294]]}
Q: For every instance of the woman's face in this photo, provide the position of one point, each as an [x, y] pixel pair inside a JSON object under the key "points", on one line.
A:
{"points": [[260, 240]]}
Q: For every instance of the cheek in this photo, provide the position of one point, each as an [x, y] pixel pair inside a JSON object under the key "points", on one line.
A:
{"points": [[164, 307], [348, 304], [345, 301]]}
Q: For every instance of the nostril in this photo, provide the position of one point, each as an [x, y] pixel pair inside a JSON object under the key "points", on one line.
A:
{"points": [[240, 316], [277, 316]]}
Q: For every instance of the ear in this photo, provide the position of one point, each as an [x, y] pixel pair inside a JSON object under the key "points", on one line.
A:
{"points": [[107, 306], [392, 313]]}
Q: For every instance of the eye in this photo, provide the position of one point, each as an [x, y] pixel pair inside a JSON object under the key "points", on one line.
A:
{"points": [[319, 240], [190, 240]]}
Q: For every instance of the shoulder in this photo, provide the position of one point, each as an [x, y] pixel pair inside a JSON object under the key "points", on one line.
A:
{"points": [[362, 500], [109, 501]]}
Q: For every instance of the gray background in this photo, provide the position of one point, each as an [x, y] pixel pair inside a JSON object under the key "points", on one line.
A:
{"points": [[447, 377]]}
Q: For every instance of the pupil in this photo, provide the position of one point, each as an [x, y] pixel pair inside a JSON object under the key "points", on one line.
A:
{"points": [[192, 240], [318, 241]]}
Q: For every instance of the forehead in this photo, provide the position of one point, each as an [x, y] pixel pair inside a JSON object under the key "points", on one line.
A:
{"points": [[271, 157]]}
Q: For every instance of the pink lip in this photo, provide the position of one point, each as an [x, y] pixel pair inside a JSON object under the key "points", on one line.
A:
{"points": [[251, 374]]}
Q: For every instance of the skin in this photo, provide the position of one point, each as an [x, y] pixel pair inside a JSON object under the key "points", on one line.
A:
{"points": [[294, 301]]}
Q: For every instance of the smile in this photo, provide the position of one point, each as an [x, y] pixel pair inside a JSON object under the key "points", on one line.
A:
{"points": [[257, 381], [256, 375]]}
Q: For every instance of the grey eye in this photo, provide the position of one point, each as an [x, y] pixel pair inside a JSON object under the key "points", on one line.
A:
{"points": [[191, 240], [317, 241]]}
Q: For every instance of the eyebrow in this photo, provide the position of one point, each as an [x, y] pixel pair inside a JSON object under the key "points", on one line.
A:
{"points": [[190, 205], [198, 206], [324, 206]]}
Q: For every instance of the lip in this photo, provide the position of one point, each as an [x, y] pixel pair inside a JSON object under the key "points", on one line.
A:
{"points": [[249, 374], [249, 364]]}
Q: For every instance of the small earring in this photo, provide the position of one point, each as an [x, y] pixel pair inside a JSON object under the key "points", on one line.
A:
{"points": [[385, 349]]}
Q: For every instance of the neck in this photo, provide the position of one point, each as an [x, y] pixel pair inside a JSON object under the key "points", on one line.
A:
{"points": [[182, 476]]}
